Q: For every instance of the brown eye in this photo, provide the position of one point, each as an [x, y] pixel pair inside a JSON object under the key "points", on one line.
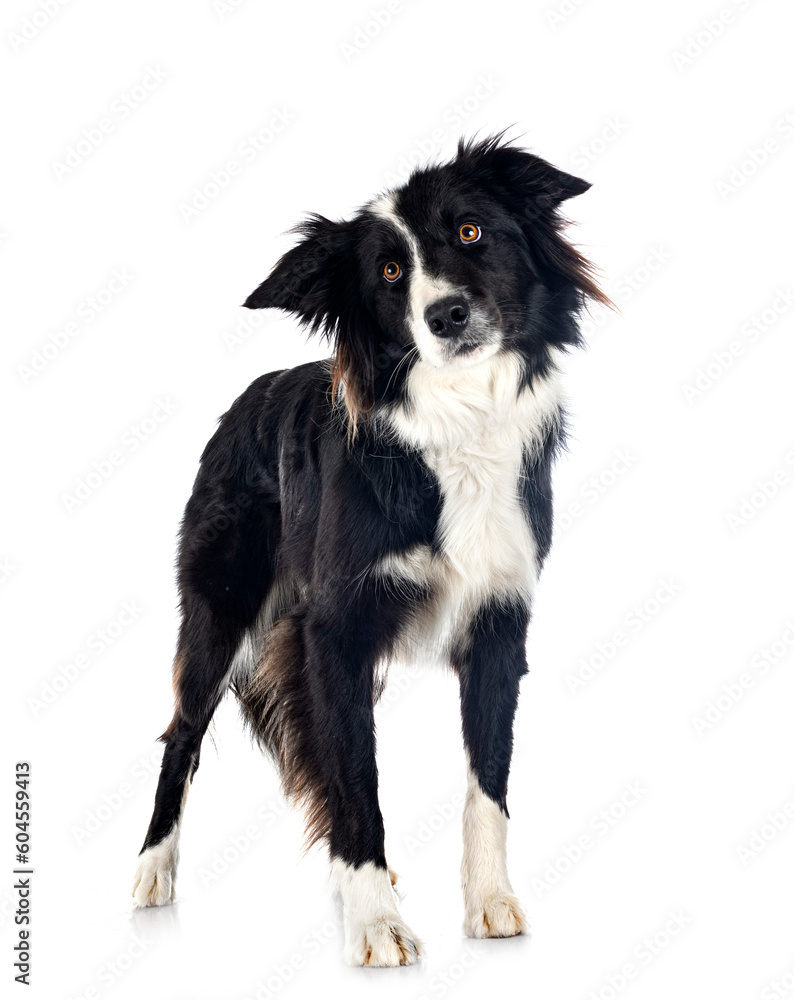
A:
{"points": [[392, 270], [469, 233]]}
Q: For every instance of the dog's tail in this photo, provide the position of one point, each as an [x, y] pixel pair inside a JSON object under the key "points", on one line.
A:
{"points": [[276, 705]]}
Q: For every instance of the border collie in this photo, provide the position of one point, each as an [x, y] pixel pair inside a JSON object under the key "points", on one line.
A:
{"points": [[392, 502]]}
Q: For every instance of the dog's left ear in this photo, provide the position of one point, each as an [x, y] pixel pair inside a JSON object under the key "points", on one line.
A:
{"points": [[517, 176], [306, 279]]}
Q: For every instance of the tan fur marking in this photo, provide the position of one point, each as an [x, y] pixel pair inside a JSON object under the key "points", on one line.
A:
{"points": [[279, 714]]}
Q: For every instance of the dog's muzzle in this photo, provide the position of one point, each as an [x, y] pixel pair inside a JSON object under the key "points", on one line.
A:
{"points": [[462, 329]]}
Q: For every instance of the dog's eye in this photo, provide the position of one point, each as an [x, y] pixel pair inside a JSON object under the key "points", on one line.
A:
{"points": [[392, 270], [469, 233]]}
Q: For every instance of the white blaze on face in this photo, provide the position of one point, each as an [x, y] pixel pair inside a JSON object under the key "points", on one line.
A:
{"points": [[423, 288]]}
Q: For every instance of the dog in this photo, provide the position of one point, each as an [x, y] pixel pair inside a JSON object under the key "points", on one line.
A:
{"points": [[392, 502]]}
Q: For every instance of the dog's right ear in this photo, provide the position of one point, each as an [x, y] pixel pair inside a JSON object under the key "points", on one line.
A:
{"points": [[304, 280]]}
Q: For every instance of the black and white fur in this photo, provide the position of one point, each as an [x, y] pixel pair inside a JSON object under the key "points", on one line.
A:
{"points": [[394, 501]]}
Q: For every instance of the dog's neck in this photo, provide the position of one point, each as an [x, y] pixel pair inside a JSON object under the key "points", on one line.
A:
{"points": [[486, 405]]}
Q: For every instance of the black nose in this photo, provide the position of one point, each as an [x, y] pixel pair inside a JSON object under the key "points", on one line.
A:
{"points": [[447, 317]]}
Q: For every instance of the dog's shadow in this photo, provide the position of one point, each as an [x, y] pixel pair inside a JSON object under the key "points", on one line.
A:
{"points": [[161, 922]]}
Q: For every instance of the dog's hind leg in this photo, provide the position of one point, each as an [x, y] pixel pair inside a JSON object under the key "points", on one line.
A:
{"points": [[216, 648], [211, 649], [155, 878], [201, 677], [215, 651], [227, 581]]}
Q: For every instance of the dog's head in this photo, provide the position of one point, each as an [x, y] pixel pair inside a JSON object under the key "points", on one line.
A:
{"points": [[467, 259]]}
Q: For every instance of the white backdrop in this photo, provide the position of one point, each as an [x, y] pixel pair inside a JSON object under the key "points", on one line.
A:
{"points": [[155, 154]]}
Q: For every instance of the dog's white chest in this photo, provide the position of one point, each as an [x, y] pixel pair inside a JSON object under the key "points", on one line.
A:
{"points": [[473, 430], [485, 542]]}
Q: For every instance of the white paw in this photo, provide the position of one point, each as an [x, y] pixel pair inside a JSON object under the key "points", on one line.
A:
{"points": [[386, 942], [495, 917], [155, 878], [375, 934]]}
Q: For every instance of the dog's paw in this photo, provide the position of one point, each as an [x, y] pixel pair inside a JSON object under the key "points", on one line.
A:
{"points": [[495, 917], [384, 943], [155, 879]]}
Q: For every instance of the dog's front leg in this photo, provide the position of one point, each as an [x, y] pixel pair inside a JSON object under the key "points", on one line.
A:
{"points": [[490, 669], [340, 659]]}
